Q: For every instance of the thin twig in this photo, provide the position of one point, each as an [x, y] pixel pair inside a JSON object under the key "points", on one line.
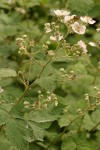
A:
{"points": [[93, 128]]}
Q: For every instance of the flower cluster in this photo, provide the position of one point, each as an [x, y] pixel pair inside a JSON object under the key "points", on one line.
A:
{"points": [[91, 102], [70, 76], [42, 102], [74, 24], [56, 37], [24, 43], [21, 44], [61, 13], [55, 30], [69, 20], [47, 27]]}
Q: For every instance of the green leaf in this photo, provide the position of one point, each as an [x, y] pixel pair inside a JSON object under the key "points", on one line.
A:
{"points": [[82, 6], [40, 116], [30, 3], [38, 132], [47, 83], [4, 143], [35, 70], [68, 143], [33, 146], [87, 122], [66, 119], [7, 30], [3, 117], [95, 117], [6, 72], [7, 106], [82, 141], [95, 11], [79, 141], [81, 104], [79, 68], [15, 132]]}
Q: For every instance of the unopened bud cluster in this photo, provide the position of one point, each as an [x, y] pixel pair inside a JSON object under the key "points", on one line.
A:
{"points": [[90, 103], [2, 101], [80, 112], [1, 89], [48, 51], [44, 101], [24, 44], [26, 104], [52, 27], [98, 98], [70, 76], [93, 102]]}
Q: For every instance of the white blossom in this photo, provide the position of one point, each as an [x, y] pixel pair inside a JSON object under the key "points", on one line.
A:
{"points": [[56, 103], [47, 30], [56, 38], [47, 24], [1, 90], [51, 53], [61, 13], [83, 46], [92, 44], [26, 103], [21, 10], [87, 19], [9, 1], [98, 29], [68, 18], [47, 27], [78, 28]]}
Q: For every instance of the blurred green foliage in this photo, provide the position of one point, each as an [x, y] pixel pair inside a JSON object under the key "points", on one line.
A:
{"points": [[46, 129]]}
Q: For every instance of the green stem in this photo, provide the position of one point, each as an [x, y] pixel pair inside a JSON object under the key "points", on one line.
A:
{"points": [[95, 77], [93, 128]]}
